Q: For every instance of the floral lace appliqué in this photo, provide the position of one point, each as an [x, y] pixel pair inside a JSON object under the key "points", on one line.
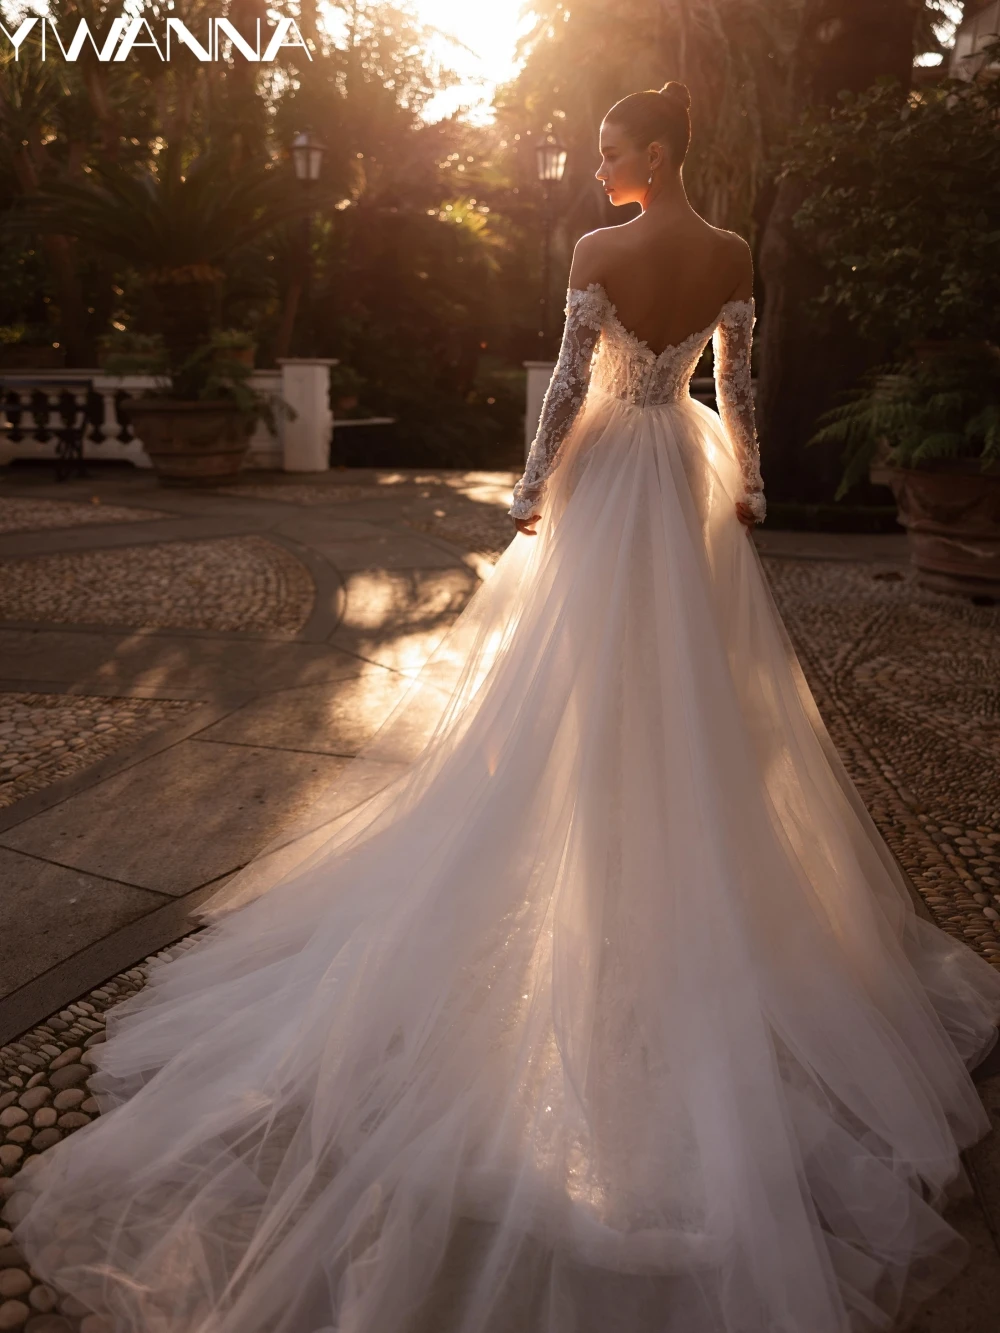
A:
{"points": [[564, 396], [734, 394], [627, 368]]}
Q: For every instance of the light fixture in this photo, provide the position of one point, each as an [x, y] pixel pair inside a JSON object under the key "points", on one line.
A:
{"points": [[550, 159], [307, 154]]}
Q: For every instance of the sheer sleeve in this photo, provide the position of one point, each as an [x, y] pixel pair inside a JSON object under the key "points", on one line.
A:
{"points": [[734, 395], [564, 396]]}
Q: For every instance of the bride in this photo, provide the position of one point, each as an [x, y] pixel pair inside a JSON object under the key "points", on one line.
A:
{"points": [[603, 1010]]}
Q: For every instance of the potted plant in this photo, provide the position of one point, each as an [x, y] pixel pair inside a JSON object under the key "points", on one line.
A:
{"points": [[903, 214], [930, 429], [234, 345], [196, 422]]}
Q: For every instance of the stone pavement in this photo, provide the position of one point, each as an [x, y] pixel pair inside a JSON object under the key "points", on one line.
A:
{"points": [[234, 648]]}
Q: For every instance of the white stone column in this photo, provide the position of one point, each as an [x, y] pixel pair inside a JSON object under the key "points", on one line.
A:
{"points": [[305, 386], [539, 374]]}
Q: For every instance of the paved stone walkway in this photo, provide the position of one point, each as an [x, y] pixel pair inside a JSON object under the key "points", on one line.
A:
{"points": [[235, 648]]}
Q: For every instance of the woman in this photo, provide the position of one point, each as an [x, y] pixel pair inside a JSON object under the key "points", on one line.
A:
{"points": [[606, 1011]]}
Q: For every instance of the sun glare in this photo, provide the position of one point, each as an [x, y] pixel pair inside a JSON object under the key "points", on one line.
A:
{"points": [[476, 39]]}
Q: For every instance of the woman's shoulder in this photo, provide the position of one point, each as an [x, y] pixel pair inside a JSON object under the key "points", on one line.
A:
{"points": [[732, 241], [601, 241], [733, 247], [592, 254]]}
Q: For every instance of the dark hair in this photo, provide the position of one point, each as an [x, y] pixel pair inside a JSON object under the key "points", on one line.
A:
{"points": [[657, 117]]}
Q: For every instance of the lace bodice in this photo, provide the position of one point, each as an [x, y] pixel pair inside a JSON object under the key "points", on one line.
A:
{"points": [[598, 351]]}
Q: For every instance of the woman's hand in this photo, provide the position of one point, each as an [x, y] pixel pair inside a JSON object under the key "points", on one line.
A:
{"points": [[745, 514], [525, 525]]}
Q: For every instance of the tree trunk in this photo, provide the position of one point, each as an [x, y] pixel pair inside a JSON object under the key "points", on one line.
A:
{"points": [[805, 363]]}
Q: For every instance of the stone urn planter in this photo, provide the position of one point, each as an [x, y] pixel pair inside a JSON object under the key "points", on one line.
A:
{"points": [[192, 443], [951, 512]]}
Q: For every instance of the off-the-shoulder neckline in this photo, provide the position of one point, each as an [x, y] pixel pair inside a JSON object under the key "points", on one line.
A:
{"points": [[640, 343]]}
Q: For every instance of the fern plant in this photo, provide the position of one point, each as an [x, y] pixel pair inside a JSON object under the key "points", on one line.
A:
{"points": [[924, 411]]}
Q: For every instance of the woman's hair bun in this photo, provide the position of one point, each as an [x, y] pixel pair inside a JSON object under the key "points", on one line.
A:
{"points": [[677, 92]]}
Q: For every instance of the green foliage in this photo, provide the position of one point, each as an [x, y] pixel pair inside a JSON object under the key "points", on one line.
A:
{"points": [[232, 339], [128, 353], [582, 57], [208, 374], [159, 219], [945, 406], [903, 209]]}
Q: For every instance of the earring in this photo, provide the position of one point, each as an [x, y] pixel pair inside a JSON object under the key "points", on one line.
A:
{"points": [[650, 181]]}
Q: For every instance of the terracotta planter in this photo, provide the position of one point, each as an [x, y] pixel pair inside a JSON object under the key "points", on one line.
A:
{"points": [[192, 444], [951, 513]]}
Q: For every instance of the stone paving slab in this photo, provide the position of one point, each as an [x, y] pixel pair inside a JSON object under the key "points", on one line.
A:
{"points": [[378, 603], [387, 551], [332, 719], [879, 548], [185, 816], [311, 528], [164, 664], [47, 909]]}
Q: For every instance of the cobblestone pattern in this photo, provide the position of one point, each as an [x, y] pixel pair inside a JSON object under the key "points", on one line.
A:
{"points": [[23, 514], [908, 683], [228, 583], [485, 532], [43, 1097], [45, 737]]}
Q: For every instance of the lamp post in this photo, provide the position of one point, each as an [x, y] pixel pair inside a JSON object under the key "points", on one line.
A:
{"points": [[307, 158], [550, 165], [307, 154]]}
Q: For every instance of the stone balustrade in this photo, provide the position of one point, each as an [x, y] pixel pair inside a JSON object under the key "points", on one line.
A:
{"points": [[300, 444]]}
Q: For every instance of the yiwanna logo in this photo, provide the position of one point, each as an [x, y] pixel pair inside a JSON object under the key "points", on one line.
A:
{"points": [[128, 34]]}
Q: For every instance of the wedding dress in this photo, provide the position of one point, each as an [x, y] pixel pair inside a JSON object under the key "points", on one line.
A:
{"points": [[605, 1009]]}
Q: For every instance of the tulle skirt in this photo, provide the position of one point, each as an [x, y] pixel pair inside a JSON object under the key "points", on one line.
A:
{"points": [[604, 1009]]}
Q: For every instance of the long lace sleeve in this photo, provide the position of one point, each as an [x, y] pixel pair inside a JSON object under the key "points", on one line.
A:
{"points": [[734, 394], [563, 398]]}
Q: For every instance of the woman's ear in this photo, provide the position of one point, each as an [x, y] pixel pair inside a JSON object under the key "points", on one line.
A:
{"points": [[657, 157]]}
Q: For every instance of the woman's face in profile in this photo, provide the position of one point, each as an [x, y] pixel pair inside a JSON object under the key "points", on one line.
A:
{"points": [[625, 169]]}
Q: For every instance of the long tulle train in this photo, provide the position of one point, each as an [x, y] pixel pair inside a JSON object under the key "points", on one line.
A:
{"points": [[604, 1011]]}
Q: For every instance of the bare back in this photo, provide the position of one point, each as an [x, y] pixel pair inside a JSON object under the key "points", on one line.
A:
{"points": [[668, 276]]}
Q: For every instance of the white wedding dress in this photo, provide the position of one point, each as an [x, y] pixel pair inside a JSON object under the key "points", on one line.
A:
{"points": [[606, 1010]]}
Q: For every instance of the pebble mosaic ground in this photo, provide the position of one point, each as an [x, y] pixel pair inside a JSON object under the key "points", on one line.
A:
{"points": [[908, 683], [43, 1097], [45, 737], [227, 583], [20, 514]]}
